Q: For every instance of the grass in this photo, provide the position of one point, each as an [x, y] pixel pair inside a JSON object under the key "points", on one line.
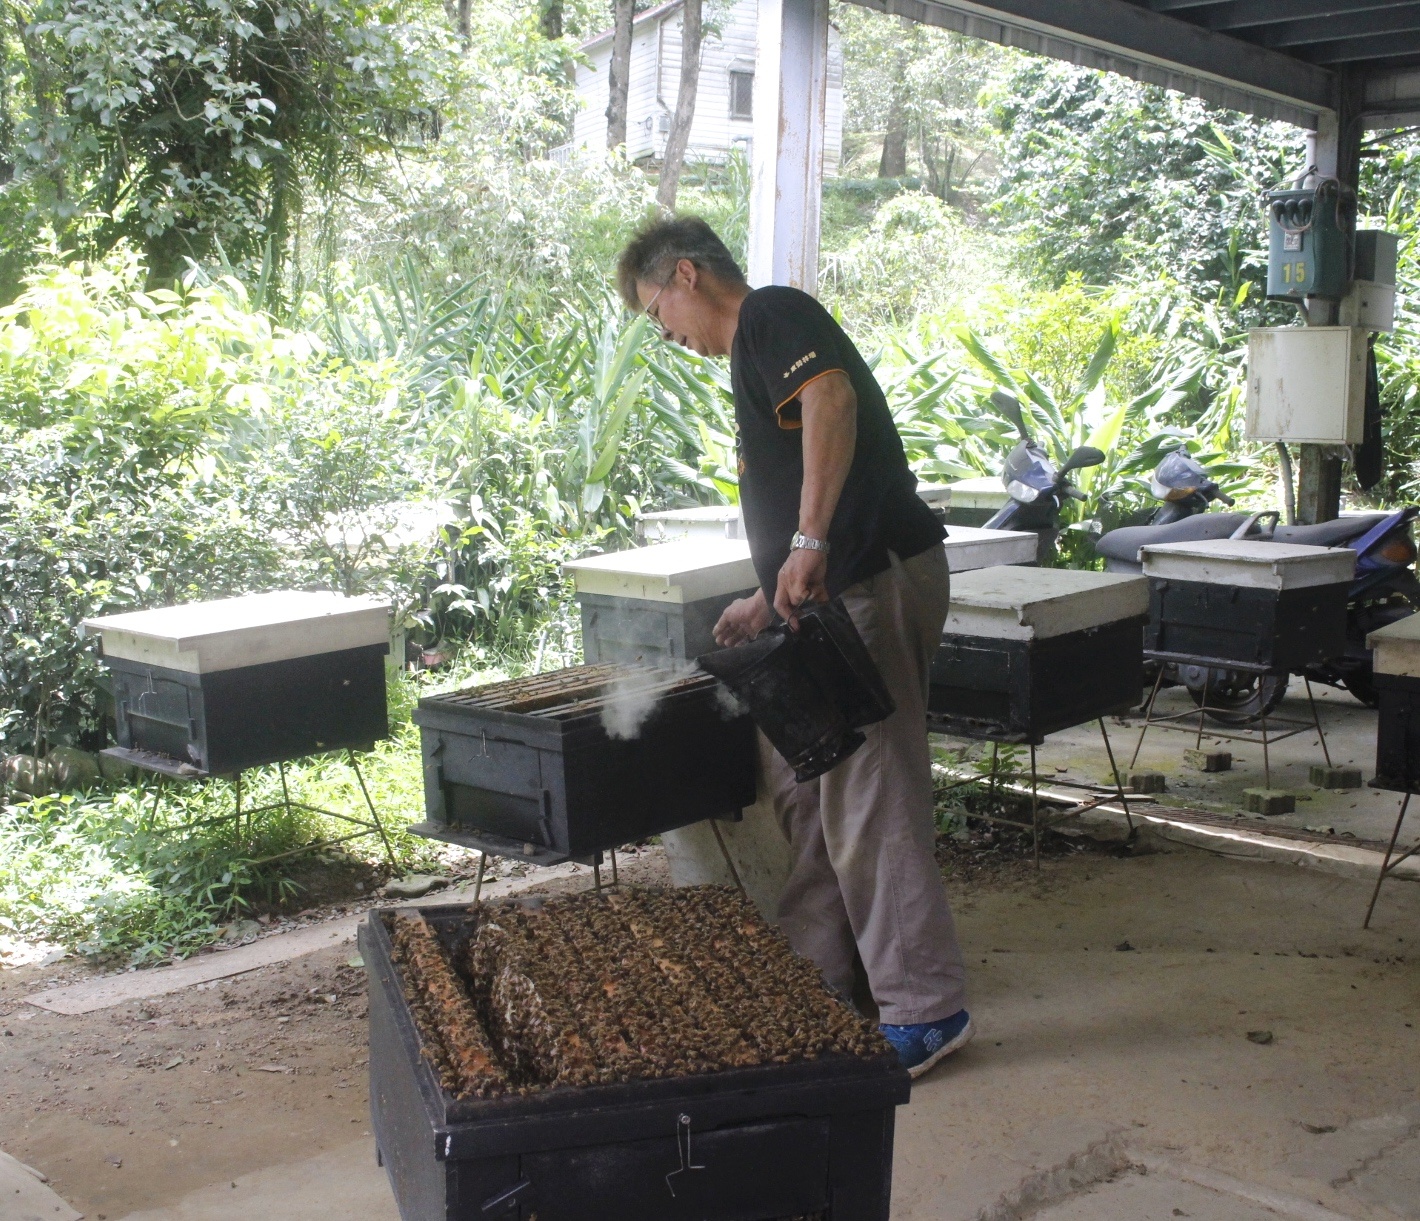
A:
{"points": [[112, 874]]}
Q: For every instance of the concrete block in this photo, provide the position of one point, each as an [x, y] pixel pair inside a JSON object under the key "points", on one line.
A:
{"points": [[1146, 782], [1209, 760], [1269, 801], [1335, 777]]}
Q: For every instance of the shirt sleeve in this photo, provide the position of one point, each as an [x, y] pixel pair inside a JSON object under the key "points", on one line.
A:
{"points": [[793, 341]]}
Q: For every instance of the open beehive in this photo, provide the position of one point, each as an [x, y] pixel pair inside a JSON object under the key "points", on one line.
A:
{"points": [[644, 1054], [640, 984]]}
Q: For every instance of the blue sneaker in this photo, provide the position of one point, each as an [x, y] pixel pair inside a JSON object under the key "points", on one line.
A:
{"points": [[921, 1045]]}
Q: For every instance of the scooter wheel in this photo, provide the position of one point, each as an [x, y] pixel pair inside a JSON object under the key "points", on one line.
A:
{"points": [[1234, 698]]}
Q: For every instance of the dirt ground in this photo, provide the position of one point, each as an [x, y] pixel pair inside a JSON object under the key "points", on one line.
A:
{"points": [[1115, 992], [132, 1107]]}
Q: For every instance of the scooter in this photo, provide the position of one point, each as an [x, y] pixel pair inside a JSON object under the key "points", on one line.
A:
{"points": [[1183, 486], [1038, 491], [1384, 589]]}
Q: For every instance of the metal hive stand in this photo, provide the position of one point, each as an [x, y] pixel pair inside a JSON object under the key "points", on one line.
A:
{"points": [[1391, 861], [1037, 824], [164, 766], [1209, 664]]}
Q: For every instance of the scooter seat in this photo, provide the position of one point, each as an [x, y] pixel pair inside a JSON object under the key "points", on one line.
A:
{"points": [[1329, 533], [1123, 544]]}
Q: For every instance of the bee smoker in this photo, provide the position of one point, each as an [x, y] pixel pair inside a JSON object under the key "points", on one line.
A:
{"points": [[809, 690]]}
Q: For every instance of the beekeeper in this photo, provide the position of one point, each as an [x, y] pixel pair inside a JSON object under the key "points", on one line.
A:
{"points": [[830, 509]]}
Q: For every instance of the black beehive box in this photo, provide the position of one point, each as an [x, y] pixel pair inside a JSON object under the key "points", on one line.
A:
{"points": [[533, 768], [1396, 661], [1275, 606], [1029, 651], [211, 688], [658, 605], [771, 1141]]}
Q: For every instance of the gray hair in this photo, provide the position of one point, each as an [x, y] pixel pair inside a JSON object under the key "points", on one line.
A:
{"points": [[651, 256]]}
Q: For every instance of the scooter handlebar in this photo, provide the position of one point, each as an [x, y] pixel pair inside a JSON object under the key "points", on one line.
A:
{"points": [[1225, 498]]}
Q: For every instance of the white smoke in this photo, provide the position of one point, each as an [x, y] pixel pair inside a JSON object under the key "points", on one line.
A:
{"points": [[631, 697], [630, 700]]}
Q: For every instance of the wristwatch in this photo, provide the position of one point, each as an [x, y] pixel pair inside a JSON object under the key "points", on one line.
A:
{"points": [[802, 542]]}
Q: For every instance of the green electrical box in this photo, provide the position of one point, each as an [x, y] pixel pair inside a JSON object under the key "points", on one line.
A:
{"points": [[1310, 236]]}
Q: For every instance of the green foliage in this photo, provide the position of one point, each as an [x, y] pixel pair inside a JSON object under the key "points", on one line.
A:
{"points": [[183, 125], [1103, 176]]}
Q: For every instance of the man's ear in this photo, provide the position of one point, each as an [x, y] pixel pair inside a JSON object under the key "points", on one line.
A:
{"points": [[688, 274]]}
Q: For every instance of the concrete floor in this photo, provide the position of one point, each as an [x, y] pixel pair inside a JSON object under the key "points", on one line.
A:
{"points": [[1105, 1082], [1350, 729]]}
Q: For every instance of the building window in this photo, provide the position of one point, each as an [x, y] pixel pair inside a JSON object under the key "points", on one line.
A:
{"points": [[741, 95]]}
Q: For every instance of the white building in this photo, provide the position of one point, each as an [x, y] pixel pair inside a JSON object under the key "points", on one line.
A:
{"points": [[724, 102]]}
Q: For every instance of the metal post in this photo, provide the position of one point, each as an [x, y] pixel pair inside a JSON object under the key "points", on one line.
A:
{"points": [[1385, 865], [790, 92], [478, 883], [1118, 779], [1203, 707], [615, 877], [1148, 715], [370, 805], [1034, 809], [1316, 720], [1266, 758], [1335, 149]]}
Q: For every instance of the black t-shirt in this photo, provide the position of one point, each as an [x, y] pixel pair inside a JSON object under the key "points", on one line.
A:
{"points": [[786, 340]]}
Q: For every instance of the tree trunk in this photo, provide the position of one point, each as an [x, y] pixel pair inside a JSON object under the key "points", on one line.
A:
{"points": [[674, 160], [893, 163], [619, 74]]}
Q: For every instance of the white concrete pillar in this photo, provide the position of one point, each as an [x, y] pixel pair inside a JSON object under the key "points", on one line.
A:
{"points": [[790, 91]]}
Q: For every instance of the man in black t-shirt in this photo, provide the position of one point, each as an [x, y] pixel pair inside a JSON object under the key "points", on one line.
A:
{"points": [[830, 508]]}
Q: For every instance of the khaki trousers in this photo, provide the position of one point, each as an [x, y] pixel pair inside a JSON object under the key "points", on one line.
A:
{"points": [[864, 880]]}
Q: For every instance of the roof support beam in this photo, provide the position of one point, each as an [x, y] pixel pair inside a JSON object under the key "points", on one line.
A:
{"points": [[1248, 14], [1366, 46], [786, 189], [1315, 31], [1134, 41]]}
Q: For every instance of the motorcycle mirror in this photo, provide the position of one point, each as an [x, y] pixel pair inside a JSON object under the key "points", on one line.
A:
{"points": [[1086, 455], [1010, 407]]}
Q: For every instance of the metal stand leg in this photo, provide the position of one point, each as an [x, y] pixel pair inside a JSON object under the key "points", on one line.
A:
{"points": [[1316, 720], [1203, 708], [1266, 756], [237, 785], [370, 805], [1386, 865], [615, 877], [1148, 716], [1034, 809], [991, 789], [1118, 779], [725, 852], [478, 882], [597, 872]]}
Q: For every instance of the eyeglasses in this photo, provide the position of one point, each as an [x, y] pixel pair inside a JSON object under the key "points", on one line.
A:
{"points": [[650, 310]]}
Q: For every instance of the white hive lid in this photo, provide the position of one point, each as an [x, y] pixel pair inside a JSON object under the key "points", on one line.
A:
{"points": [[934, 494], [203, 637], [683, 571], [1249, 563], [696, 513], [984, 492], [971, 547], [1014, 603], [1397, 647]]}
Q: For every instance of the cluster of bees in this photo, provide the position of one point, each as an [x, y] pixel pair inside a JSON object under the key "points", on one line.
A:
{"points": [[593, 990]]}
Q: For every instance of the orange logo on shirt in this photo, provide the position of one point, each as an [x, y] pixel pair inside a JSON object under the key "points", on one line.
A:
{"points": [[799, 364]]}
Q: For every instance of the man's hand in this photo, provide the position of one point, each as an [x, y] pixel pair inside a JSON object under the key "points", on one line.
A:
{"points": [[801, 580], [742, 620]]}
